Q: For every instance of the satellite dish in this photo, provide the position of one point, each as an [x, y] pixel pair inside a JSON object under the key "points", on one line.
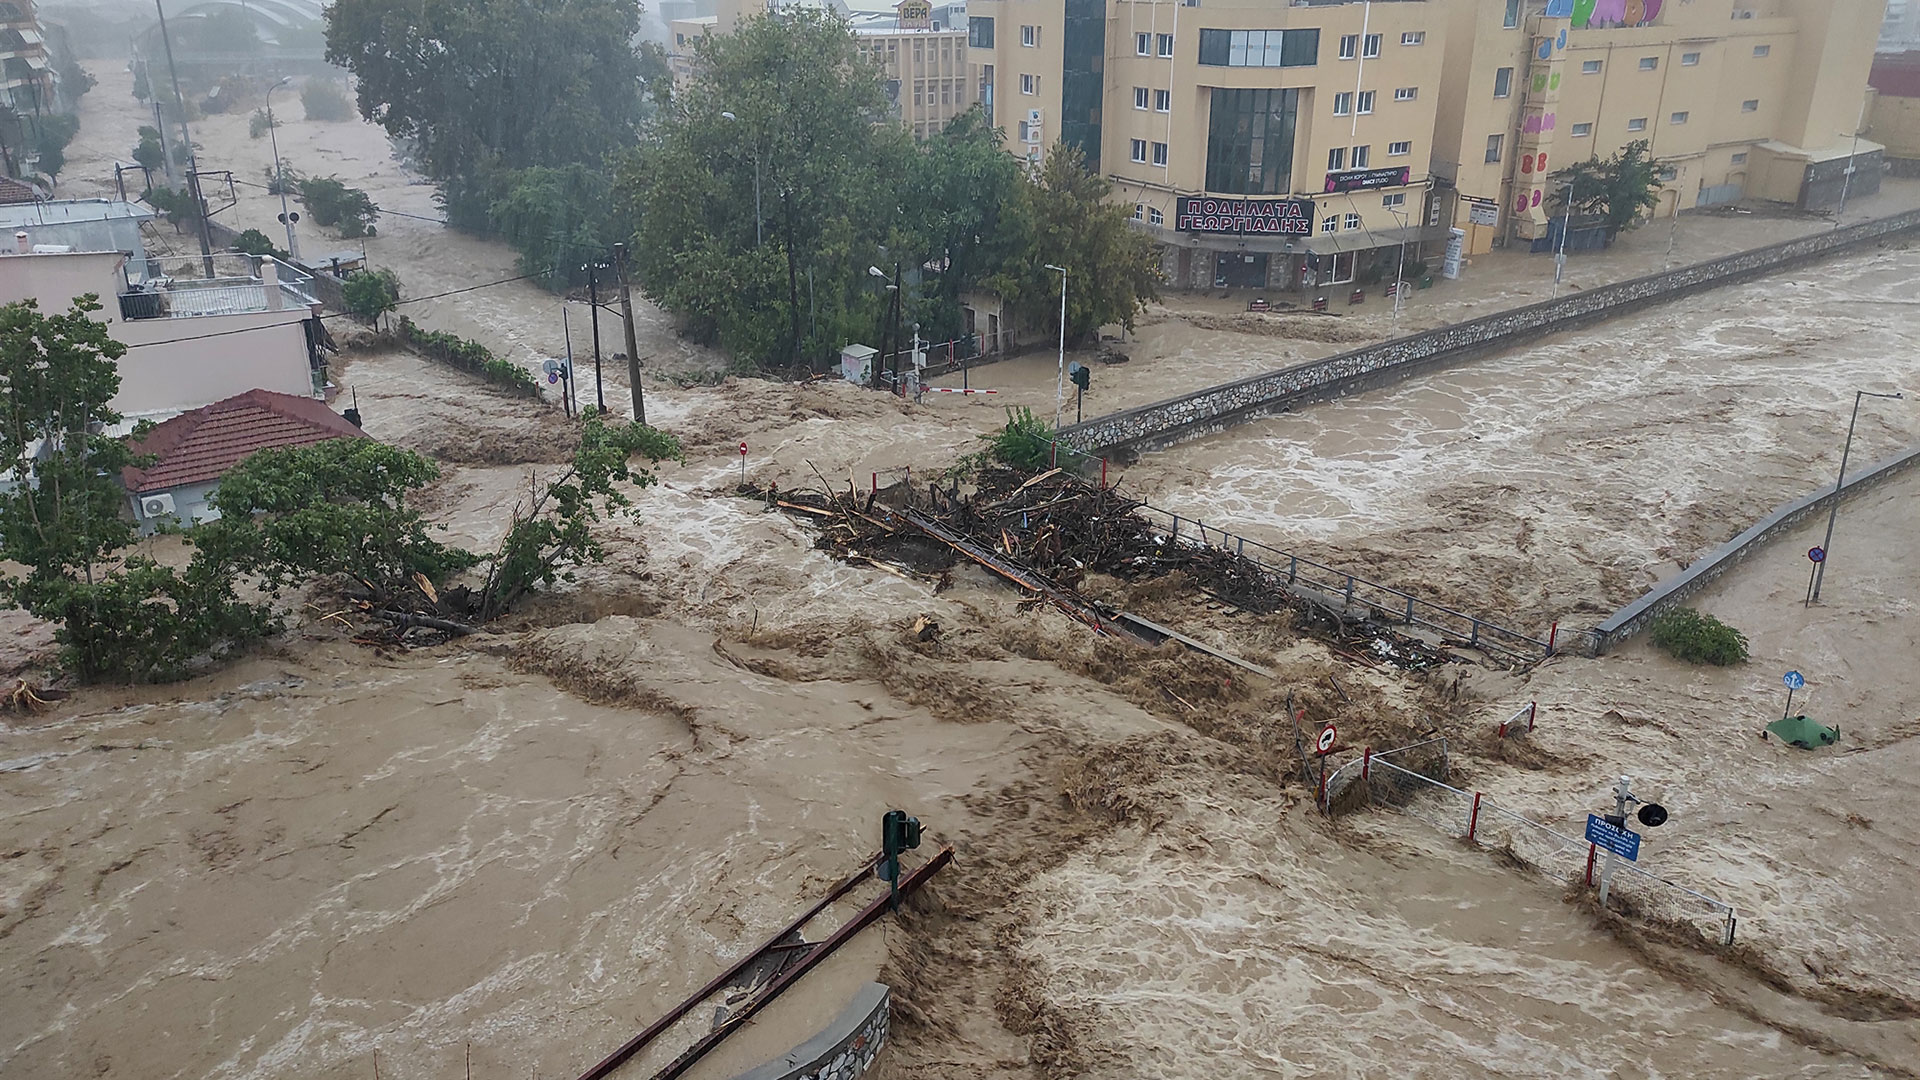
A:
{"points": [[1652, 815]]}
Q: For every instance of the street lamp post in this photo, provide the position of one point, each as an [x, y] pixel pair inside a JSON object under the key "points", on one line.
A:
{"points": [[1566, 226], [1400, 268], [758, 236], [1060, 386], [1833, 511], [280, 170]]}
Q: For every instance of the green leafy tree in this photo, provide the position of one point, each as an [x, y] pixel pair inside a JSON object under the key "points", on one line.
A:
{"points": [[554, 532], [1619, 190], [1699, 638], [324, 101], [559, 219], [255, 242], [336, 205], [494, 83], [1113, 268], [369, 294], [969, 212], [334, 507], [63, 516], [150, 153], [260, 123], [808, 130]]}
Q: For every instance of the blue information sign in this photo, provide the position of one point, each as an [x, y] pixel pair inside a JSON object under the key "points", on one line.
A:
{"points": [[1610, 837], [1794, 680]]}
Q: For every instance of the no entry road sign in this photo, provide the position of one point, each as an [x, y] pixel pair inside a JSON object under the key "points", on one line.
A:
{"points": [[1610, 837]]}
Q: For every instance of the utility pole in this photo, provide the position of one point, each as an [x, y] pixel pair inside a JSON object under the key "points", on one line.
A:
{"points": [[193, 165], [633, 346], [1833, 511], [287, 217], [1622, 793], [593, 301], [1060, 387]]}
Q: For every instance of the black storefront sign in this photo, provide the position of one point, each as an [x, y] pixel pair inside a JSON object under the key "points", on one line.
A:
{"points": [[1363, 179], [1245, 217]]}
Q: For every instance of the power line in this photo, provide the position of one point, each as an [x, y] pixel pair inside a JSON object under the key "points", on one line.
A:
{"points": [[381, 209]]}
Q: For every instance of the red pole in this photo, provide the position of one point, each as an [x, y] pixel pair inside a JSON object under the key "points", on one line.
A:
{"points": [[1533, 708], [1592, 850], [876, 483], [1553, 635], [1503, 729], [1053, 453], [1103, 474], [1473, 822], [1366, 762]]}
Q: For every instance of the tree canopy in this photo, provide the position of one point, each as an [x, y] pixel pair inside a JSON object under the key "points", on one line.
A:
{"points": [[474, 84], [795, 109], [1619, 189]]}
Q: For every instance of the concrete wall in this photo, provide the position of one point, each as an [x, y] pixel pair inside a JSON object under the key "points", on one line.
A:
{"points": [[1635, 617], [1216, 408], [189, 506], [844, 1049]]}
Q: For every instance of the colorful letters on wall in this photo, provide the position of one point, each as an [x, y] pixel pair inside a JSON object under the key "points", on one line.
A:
{"points": [[1602, 13]]}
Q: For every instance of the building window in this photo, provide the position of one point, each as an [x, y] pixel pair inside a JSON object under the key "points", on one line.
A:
{"points": [[1762, 50], [1370, 48], [1140, 151], [1349, 46], [1638, 123], [1366, 102], [1395, 200], [1139, 211], [1362, 156], [1343, 103], [1689, 59], [1029, 84], [980, 32], [1143, 44], [1259, 48], [1503, 82], [1750, 105], [1493, 147], [1669, 174], [1353, 221], [1677, 118], [1163, 101], [1023, 132], [1581, 131], [1414, 37], [1589, 67], [1512, 18], [1336, 159], [1250, 137], [1160, 154], [1739, 158], [1155, 217], [1166, 44], [1399, 149], [1406, 93], [1139, 97], [1649, 63], [1029, 36], [1330, 224]]}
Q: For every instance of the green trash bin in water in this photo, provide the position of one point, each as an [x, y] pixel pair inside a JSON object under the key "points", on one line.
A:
{"points": [[1426, 282], [1805, 732]]}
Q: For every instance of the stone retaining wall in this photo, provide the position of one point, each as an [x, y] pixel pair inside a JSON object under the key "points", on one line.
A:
{"points": [[844, 1049], [1218, 407], [1635, 617]]}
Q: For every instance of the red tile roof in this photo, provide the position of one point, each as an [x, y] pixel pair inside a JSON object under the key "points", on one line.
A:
{"points": [[13, 192], [1896, 74], [200, 446]]}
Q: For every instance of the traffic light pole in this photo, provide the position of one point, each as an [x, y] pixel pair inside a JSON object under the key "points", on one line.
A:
{"points": [[1621, 794]]}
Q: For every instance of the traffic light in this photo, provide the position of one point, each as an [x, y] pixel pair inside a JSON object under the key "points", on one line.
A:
{"points": [[898, 833]]}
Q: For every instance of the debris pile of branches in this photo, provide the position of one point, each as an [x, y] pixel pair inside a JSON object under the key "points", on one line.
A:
{"points": [[1046, 531]]}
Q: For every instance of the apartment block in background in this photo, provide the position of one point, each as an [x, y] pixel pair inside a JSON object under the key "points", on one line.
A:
{"points": [[1737, 99]]}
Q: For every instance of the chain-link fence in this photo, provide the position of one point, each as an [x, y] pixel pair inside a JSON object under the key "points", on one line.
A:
{"points": [[1404, 781]]}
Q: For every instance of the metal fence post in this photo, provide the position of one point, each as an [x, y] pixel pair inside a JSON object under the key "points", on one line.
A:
{"points": [[1293, 568], [1349, 600], [1409, 611], [1241, 550]]}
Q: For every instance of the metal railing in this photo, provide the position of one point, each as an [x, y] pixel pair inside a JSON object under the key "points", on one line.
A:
{"points": [[1532, 844], [175, 288], [1352, 590]]}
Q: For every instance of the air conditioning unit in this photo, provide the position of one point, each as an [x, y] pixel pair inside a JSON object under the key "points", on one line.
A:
{"points": [[156, 506], [1033, 116]]}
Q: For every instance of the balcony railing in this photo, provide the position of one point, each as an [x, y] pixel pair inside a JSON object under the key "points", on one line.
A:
{"points": [[165, 297]]}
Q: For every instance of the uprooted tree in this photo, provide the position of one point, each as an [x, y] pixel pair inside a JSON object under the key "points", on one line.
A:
{"points": [[333, 511]]}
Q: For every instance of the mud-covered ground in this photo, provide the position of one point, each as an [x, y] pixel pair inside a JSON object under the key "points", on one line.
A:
{"points": [[523, 847]]}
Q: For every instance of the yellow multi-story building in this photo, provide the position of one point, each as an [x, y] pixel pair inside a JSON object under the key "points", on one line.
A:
{"points": [[1736, 99], [1303, 144]]}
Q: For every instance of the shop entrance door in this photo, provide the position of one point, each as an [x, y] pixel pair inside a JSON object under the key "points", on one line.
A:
{"points": [[1240, 270]]}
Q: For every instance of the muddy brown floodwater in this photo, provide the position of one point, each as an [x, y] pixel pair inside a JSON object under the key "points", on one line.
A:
{"points": [[520, 848]]}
